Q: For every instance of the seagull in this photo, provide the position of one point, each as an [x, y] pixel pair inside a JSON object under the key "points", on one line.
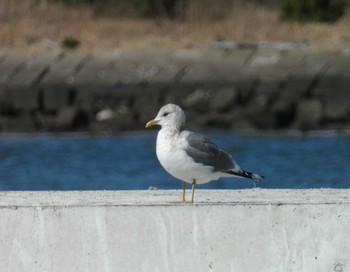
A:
{"points": [[193, 158]]}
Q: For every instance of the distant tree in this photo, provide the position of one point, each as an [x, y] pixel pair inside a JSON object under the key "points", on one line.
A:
{"points": [[147, 8], [313, 10], [151, 8]]}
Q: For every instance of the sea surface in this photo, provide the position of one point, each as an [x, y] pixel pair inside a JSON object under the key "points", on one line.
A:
{"points": [[128, 161]]}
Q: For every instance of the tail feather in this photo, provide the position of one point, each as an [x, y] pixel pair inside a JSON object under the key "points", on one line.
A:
{"points": [[245, 174]]}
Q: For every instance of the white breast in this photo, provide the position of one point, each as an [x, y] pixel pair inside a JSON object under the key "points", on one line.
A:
{"points": [[173, 157]]}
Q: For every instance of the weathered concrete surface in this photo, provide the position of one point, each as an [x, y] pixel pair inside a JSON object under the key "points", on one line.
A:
{"points": [[249, 230]]}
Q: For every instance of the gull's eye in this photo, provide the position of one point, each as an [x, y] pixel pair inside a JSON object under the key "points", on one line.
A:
{"points": [[165, 114]]}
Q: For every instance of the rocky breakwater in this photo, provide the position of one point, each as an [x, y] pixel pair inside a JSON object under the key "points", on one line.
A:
{"points": [[236, 88]]}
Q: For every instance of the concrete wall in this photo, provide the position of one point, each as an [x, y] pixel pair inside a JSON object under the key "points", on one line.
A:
{"points": [[250, 230]]}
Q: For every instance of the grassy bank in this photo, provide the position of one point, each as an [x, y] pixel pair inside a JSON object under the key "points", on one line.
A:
{"points": [[35, 27]]}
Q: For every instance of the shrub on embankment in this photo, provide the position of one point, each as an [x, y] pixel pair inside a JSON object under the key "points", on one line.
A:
{"points": [[299, 10]]}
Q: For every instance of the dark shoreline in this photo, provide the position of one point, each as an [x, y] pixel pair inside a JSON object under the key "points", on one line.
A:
{"points": [[153, 132]]}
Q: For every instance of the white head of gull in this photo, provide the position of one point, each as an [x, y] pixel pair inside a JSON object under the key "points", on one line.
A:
{"points": [[191, 157]]}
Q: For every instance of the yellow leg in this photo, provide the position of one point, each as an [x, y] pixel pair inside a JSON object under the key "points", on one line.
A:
{"points": [[184, 184], [193, 188]]}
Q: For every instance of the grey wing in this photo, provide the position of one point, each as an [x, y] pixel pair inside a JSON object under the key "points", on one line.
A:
{"points": [[203, 150]]}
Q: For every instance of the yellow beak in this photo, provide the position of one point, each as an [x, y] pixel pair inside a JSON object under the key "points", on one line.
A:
{"points": [[151, 123]]}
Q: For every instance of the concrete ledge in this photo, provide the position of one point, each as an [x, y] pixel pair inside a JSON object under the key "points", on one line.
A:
{"points": [[249, 230]]}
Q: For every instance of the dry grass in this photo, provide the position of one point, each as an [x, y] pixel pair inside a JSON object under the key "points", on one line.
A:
{"points": [[28, 28]]}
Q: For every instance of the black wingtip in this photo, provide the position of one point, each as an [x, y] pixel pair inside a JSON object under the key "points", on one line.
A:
{"points": [[246, 174]]}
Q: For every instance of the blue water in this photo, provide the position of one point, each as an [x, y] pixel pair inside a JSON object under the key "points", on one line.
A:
{"points": [[128, 161]]}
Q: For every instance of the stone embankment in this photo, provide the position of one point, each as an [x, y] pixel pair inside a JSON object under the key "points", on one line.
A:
{"points": [[229, 87]]}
